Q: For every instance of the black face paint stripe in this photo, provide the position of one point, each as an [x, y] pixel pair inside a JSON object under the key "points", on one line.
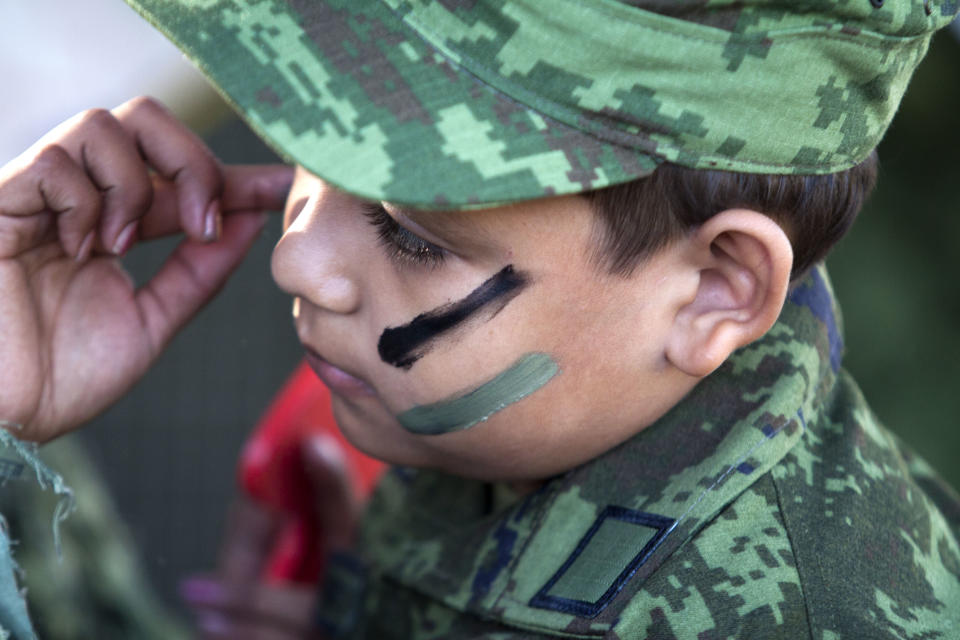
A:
{"points": [[402, 346]]}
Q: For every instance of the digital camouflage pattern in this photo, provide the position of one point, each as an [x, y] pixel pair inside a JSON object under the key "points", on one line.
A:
{"points": [[767, 504], [94, 587], [458, 103]]}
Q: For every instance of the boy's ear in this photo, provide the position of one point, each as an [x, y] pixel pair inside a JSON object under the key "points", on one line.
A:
{"points": [[741, 262]]}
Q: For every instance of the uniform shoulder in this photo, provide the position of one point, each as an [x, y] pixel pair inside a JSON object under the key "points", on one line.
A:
{"points": [[872, 549], [737, 577]]}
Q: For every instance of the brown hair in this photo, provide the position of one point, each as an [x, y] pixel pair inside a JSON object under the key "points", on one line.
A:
{"points": [[645, 215]]}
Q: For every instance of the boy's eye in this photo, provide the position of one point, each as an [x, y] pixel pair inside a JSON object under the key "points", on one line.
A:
{"points": [[402, 245]]}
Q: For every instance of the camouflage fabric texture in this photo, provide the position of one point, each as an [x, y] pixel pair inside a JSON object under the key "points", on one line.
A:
{"points": [[768, 504], [95, 586], [461, 103], [21, 461]]}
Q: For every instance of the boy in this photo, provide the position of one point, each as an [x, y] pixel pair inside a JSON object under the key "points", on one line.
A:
{"points": [[620, 424]]}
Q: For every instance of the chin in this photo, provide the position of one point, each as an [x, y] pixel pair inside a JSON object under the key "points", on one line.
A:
{"points": [[376, 434]]}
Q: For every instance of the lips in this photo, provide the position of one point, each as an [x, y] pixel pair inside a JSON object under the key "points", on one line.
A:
{"points": [[338, 380]]}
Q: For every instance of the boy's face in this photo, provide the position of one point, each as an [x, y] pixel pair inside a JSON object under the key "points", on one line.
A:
{"points": [[487, 343]]}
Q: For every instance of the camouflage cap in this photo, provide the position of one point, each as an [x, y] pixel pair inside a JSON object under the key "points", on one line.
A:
{"points": [[459, 103]]}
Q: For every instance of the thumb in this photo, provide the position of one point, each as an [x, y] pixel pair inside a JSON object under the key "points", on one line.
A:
{"points": [[246, 188], [337, 504], [191, 275], [249, 536], [255, 187]]}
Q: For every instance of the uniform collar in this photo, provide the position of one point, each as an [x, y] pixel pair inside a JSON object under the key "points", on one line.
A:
{"points": [[570, 556]]}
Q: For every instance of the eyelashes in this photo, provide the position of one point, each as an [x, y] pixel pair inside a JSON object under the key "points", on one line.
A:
{"points": [[402, 245]]}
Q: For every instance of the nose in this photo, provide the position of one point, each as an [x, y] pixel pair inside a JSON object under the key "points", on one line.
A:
{"points": [[317, 258]]}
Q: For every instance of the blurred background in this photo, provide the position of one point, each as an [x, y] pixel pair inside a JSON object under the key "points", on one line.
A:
{"points": [[167, 452]]}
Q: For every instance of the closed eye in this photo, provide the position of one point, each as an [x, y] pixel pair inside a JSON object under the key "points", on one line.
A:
{"points": [[402, 245]]}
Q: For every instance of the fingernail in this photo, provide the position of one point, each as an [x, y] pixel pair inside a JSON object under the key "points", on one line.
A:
{"points": [[212, 222], [85, 247], [213, 623], [125, 239], [200, 590], [327, 449]]}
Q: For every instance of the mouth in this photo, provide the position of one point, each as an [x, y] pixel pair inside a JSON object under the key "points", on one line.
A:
{"points": [[338, 380]]}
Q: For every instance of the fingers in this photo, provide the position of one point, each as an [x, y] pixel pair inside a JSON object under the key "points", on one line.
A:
{"points": [[191, 275], [255, 610], [237, 604], [50, 183], [261, 187], [193, 183], [250, 534], [97, 174], [109, 155], [246, 187], [338, 506], [179, 156], [118, 188]]}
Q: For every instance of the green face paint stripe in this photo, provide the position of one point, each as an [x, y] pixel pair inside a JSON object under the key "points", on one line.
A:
{"points": [[525, 376]]}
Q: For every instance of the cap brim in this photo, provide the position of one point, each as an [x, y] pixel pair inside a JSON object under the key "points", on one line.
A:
{"points": [[347, 90]]}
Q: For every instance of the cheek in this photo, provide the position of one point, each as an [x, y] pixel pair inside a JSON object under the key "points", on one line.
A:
{"points": [[402, 346], [536, 437], [374, 431], [526, 376], [446, 373]]}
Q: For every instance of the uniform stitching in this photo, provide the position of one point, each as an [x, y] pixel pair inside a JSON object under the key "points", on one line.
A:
{"points": [[733, 467], [535, 525], [597, 607], [540, 104], [587, 609], [729, 35], [793, 549], [725, 37]]}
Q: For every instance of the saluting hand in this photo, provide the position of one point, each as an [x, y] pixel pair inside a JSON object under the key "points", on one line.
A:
{"points": [[75, 333]]}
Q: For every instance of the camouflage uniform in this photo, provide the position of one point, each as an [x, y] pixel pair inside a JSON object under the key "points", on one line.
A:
{"points": [[84, 578], [769, 501], [465, 103], [768, 504]]}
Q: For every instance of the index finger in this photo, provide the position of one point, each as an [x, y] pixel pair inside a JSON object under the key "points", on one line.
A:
{"points": [[246, 188], [178, 155], [258, 187]]}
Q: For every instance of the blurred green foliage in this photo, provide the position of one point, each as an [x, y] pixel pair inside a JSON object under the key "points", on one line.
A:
{"points": [[896, 272]]}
